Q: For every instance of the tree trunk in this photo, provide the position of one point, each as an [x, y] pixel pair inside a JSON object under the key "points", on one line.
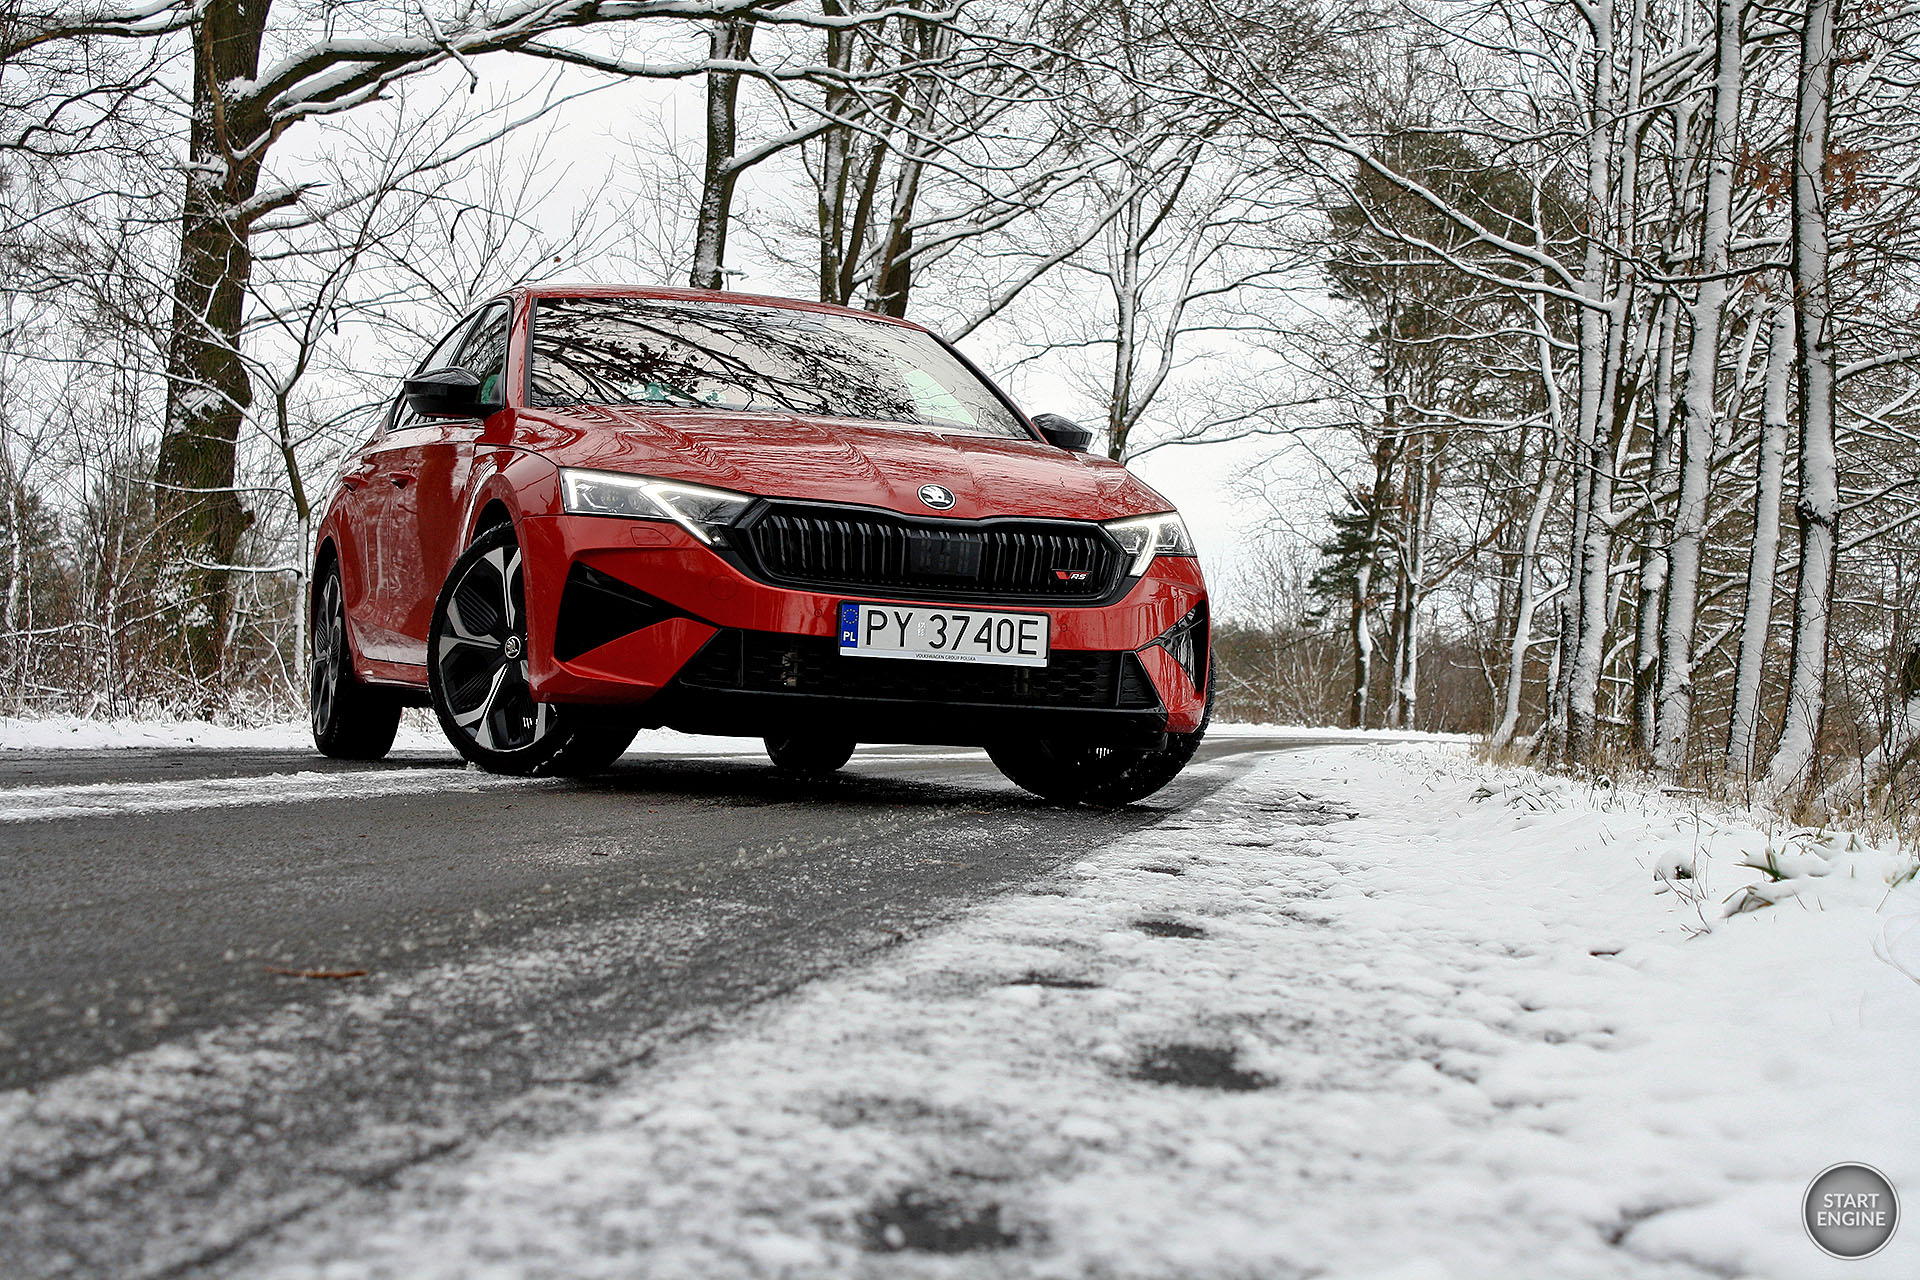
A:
{"points": [[894, 275], [1675, 715], [1396, 652], [1818, 508], [1527, 600], [1576, 701], [836, 160], [1125, 278], [1422, 476], [208, 389], [303, 527], [731, 41], [1384, 457], [1594, 611], [1762, 563], [1529, 570], [1406, 696], [1362, 637], [1656, 530]]}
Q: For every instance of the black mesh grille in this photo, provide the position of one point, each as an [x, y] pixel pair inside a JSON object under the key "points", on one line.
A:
{"points": [[873, 551], [768, 662]]}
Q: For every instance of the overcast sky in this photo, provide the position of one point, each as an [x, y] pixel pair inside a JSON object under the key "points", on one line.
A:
{"points": [[608, 137]]}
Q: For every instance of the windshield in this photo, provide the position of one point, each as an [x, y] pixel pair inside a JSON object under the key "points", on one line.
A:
{"points": [[701, 355]]}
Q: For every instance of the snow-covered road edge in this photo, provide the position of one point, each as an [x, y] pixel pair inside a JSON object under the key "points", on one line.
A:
{"points": [[1318, 734], [1372, 1011]]}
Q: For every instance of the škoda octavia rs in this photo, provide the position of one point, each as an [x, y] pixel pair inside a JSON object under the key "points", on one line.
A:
{"points": [[593, 510]]}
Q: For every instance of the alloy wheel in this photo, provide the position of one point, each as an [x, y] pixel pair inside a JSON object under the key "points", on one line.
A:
{"points": [[329, 649], [481, 656]]}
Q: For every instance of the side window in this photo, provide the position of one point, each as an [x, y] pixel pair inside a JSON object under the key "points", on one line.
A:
{"points": [[484, 353], [439, 358], [442, 354]]}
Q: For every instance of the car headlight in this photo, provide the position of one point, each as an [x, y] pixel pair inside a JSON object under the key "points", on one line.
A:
{"points": [[705, 513], [1144, 537]]}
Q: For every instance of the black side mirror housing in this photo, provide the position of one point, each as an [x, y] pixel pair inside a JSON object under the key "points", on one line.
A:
{"points": [[445, 393], [1063, 432]]}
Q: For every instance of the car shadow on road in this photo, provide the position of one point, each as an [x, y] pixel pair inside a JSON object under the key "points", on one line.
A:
{"points": [[751, 781], [748, 781]]}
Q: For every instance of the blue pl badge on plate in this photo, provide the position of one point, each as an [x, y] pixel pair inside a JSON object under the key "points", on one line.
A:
{"points": [[849, 626]]}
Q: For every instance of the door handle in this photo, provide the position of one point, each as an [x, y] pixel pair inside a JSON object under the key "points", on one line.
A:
{"points": [[401, 479], [352, 480]]}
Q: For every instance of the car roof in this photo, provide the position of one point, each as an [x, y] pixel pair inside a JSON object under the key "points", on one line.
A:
{"points": [[662, 293]]}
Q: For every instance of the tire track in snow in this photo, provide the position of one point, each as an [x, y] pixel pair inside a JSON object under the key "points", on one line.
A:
{"points": [[117, 799]]}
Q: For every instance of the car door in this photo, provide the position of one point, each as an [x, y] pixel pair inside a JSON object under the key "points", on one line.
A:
{"points": [[358, 511], [388, 513], [439, 458]]}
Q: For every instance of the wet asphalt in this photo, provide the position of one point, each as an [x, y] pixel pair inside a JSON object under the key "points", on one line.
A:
{"points": [[496, 952]]}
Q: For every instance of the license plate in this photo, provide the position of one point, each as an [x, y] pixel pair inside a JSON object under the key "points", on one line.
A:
{"points": [[944, 635]]}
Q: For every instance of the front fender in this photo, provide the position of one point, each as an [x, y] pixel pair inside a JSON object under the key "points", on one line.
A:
{"points": [[524, 484]]}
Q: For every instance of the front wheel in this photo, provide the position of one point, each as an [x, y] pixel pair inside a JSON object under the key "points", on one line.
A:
{"points": [[1075, 773], [477, 662]]}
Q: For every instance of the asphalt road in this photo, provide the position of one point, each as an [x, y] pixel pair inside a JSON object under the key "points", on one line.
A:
{"points": [[169, 1092]]}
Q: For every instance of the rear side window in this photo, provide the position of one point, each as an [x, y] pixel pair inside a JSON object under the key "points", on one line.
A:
{"points": [[728, 356]]}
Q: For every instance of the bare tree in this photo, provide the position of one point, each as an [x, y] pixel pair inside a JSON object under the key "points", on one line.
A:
{"points": [[1818, 505]]}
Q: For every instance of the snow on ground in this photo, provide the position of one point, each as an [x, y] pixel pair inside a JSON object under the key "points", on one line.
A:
{"points": [[1307, 733], [1374, 1011], [54, 733], [34, 804], [418, 732]]}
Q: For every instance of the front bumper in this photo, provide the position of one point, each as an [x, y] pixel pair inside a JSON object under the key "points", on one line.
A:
{"points": [[640, 613]]}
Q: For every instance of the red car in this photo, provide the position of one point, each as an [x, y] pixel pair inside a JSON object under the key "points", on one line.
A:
{"points": [[593, 510]]}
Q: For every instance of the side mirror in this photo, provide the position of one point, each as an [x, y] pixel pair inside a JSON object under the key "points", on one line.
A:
{"points": [[444, 393], [1064, 432]]}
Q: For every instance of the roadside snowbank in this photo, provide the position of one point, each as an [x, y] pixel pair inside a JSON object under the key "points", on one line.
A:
{"points": [[1299, 733], [55, 733], [1375, 1011]]}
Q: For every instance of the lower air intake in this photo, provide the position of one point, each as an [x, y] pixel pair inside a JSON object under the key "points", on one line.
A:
{"points": [[768, 662], [596, 608]]}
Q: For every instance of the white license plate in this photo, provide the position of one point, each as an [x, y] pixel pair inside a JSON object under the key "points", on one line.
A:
{"points": [[944, 635]]}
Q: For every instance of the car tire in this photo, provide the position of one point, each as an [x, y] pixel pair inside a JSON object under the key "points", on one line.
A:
{"points": [[351, 720], [1076, 773], [477, 662], [809, 756]]}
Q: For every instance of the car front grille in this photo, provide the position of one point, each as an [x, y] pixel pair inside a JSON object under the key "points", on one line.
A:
{"points": [[770, 662], [877, 552]]}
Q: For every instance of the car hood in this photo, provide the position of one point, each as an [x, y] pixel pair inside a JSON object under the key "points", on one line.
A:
{"points": [[841, 460]]}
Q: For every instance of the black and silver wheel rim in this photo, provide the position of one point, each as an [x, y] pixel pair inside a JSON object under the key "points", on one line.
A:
{"points": [[329, 655], [481, 656]]}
